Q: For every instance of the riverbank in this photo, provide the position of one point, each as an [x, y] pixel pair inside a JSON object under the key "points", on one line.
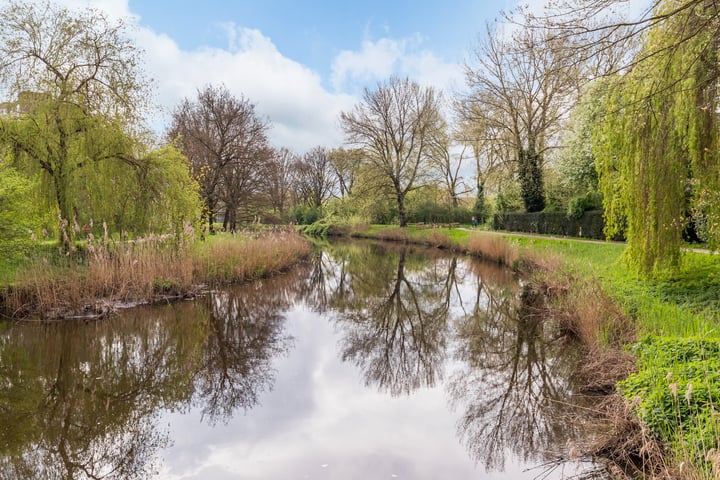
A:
{"points": [[107, 274], [652, 344]]}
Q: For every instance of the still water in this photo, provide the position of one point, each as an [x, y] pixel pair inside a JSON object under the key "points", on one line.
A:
{"points": [[370, 361]]}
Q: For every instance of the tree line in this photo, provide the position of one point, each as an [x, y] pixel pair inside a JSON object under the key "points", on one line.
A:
{"points": [[572, 109]]}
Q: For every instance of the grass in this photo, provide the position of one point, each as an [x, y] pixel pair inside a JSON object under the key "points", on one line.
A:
{"points": [[108, 272]]}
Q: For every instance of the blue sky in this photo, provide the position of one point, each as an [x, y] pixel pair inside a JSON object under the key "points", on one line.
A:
{"points": [[300, 62], [315, 32]]}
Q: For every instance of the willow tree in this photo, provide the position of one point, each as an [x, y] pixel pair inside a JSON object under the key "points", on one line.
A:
{"points": [[74, 84], [394, 126], [657, 149]]}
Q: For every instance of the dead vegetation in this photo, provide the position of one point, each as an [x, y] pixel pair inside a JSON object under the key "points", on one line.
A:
{"points": [[147, 269]]}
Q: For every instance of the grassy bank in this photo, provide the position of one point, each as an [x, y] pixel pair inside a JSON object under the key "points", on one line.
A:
{"points": [[107, 272], [657, 341]]}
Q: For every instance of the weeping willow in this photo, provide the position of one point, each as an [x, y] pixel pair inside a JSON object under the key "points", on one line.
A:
{"points": [[657, 147]]}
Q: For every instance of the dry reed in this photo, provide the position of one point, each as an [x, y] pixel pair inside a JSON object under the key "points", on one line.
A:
{"points": [[494, 248], [393, 235], [232, 260], [144, 270]]}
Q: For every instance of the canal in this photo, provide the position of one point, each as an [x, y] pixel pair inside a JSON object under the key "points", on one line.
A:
{"points": [[369, 361]]}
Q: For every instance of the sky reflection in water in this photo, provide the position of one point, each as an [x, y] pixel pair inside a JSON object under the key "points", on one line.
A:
{"points": [[368, 362]]}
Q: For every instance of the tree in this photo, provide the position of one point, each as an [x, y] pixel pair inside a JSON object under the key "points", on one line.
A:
{"points": [[346, 164], [491, 149], [226, 143], [315, 178], [658, 146], [77, 85], [522, 87], [394, 126], [279, 178], [449, 164]]}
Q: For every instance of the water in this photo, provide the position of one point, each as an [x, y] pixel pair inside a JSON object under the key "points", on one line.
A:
{"points": [[370, 361]]}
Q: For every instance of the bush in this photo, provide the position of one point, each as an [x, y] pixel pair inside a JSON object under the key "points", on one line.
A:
{"points": [[577, 206], [306, 215], [435, 213]]}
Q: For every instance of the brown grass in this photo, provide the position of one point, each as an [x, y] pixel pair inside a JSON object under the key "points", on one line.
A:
{"points": [[142, 270], [393, 235], [494, 248]]}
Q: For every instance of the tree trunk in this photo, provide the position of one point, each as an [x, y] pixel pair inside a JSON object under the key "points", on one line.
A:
{"points": [[65, 230], [211, 216], [401, 210]]}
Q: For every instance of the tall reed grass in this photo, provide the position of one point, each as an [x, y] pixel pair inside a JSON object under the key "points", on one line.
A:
{"points": [[144, 269]]}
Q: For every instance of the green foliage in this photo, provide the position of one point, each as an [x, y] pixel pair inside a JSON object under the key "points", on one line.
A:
{"points": [[430, 212], [306, 214], [576, 167], [508, 199], [577, 206], [481, 209], [678, 387], [657, 148], [20, 217]]}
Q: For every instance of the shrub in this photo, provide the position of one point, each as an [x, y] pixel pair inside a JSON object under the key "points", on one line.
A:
{"points": [[577, 206], [306, 215]]}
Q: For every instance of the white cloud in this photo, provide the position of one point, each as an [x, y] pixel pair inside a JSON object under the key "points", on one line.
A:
{"points": [[377, 60], [302, 113]]}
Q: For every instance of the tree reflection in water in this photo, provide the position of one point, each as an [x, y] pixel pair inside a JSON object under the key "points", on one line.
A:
{"points": [[513, 386], [402, 314], [82, 400], [394, 322]]}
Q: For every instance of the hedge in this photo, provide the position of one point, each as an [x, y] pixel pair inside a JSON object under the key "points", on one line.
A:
{"points": [[590, 225]]}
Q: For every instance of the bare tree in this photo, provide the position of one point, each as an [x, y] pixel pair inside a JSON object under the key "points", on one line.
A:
{"points": [[601, 32], [315, 179], [226, 143], [346, 164], [523, 87], [279, 178], [448, 162], [394, 126]]}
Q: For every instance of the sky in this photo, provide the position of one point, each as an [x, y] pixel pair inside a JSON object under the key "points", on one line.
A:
{"points": [[299, 62]]}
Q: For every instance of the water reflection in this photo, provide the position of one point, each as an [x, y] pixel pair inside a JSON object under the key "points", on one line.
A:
{"points": [[83, 400], [402, 314], [91, 400], [393, 311], [513, 387]]}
